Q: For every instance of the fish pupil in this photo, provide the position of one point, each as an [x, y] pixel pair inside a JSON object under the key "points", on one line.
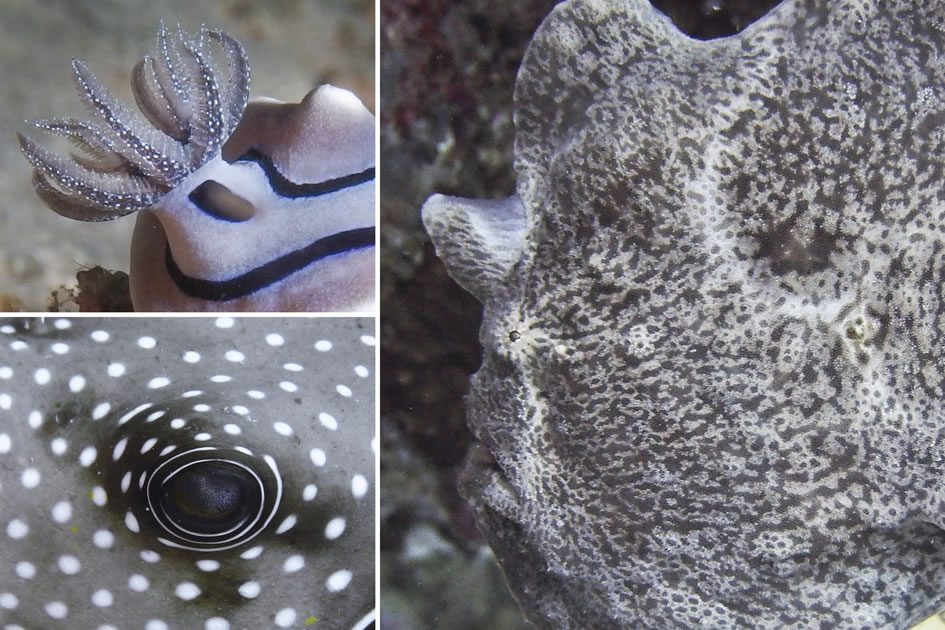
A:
{"points": [[210, 497]]}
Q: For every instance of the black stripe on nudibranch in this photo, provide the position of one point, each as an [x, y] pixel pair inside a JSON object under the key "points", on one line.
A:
{"points": [[286, 188], [271, 272]]}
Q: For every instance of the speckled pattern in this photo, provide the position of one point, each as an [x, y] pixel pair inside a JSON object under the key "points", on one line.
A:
{"points": [[711, 386], [114, 437]]}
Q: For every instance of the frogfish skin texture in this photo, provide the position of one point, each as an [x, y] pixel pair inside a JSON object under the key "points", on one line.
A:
{"points": [[713, 377]]}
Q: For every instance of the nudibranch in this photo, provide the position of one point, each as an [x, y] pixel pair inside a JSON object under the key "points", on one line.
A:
{"points": [[713, 377], [264, 206], [187, 473]]}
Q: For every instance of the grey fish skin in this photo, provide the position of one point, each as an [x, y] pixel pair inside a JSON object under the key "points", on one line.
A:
{"points": [[123, 443], [711, 392]]}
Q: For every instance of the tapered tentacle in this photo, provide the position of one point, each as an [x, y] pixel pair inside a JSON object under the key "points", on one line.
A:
{"points": [[236, 92]]}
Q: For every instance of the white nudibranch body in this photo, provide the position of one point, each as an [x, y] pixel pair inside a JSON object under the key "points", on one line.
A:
{"points": [[244, 206]]}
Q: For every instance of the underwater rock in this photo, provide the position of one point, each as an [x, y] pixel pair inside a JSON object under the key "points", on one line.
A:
{"points": [[711, 393], [213, 474]]}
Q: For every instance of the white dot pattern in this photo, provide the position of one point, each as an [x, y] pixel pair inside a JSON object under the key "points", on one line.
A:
{"points": [[266, 402]]}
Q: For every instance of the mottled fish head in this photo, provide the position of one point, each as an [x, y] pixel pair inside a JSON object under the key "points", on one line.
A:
{"points": [[187, 473], [260, 208]]}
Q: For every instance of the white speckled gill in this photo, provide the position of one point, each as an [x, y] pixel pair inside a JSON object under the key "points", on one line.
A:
{"points": [[195, 473]]}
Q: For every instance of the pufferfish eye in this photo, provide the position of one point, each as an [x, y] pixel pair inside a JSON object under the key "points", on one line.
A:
{"points": [[190, 473]]}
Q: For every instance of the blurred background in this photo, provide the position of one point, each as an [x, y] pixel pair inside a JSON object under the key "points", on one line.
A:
{"points": [[293, 46], [447, 74]]}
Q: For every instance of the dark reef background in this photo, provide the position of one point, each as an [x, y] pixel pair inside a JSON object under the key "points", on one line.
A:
{"points": [[447, 74]]}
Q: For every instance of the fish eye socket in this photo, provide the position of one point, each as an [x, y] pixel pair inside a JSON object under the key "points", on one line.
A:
{"points": [[210, 497]]}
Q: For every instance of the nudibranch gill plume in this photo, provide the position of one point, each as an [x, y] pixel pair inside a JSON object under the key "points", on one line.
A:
{"points": [[242, 205], [713, 377], [198, 474]]}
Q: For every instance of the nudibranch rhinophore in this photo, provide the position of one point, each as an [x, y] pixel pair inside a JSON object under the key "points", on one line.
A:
{"points": [[187, 473], [264, 206], [713, 378]]}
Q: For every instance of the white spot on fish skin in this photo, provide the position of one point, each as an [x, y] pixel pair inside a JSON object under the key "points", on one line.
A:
{"points": [[7, 329], [344, 390], [58, 446], [232, 429], [62, 324], [178, 423], [151, 557], [202, 408], [147, 342], [288, 386], [62, 512], [252, 553], [35, 419], [76, 383], [155, 415], [87, 456], [216, 623], [361, 371], [155, 624], [138, 583], [57, 610], [255, 394], [274, 339], [243, 449], [208, 565], [368, 340], [131, 414], [167, 449], [359, 486], [202, 437], [293, 367], [328, 421], [338, 581], [102, 598], [17, 529], [126, 481], [100, 336], [309, 492], [119, 449], [317, 456], [101, 410], [69, 565], [5, 443], [191, 357], [6, 372], [323, 345], [132, 523], [148, 445], [240, 409], [335, 528], [249, 590], [99, 497], [60, 348], [293, 564], [159, 382], [9, 601], [41, 376], [103, 539], [6, 401], [25, 570], [116, 369], [235, 356], [285, 618], [221, 378], [224, 322], [18, 345], [187, 591], [282, 428], [287, 524], [30, 478]]}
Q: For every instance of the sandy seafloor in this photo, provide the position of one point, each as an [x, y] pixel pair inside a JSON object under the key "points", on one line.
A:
{"points": [[293, 46]]}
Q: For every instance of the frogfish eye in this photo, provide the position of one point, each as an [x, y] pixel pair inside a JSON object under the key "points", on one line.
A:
{"points": [[209, 497]]}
